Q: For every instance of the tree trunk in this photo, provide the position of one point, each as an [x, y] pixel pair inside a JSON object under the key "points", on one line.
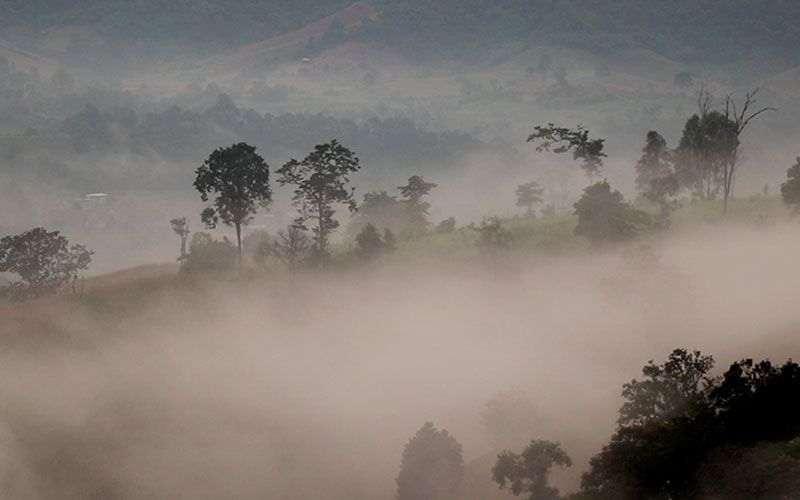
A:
{"points": [[239, 245]]}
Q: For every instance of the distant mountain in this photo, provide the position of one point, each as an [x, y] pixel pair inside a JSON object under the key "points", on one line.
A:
{"points": [[764, 34]]}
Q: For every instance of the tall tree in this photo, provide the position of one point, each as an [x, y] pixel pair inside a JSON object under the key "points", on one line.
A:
{"points": [[655, 163], [181, 227], [43, 260], [527, 472], [412, 195], [740, 118], [239, 178], [369, 244], [790, 190], [432, 466], [656, 179], [562, 140], [528, 195], [321, 181]]}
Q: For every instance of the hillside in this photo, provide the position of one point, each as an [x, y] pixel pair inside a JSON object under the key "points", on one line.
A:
{"points": [[763, 34]]}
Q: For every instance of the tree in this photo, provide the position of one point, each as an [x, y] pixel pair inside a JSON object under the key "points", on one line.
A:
{"points": [[240, 179], [412, 195], [446, 226], [369, 244], [740, 118], [44, 262], [493, 237], [604, 216], [709, 149], [321, 181], [528, 195], [290, 246], [656, 179], [655, 163], [181, 228], [790, 190], [527, 472], [432, 466], [380, 209], [207, 255], [561, 140]]}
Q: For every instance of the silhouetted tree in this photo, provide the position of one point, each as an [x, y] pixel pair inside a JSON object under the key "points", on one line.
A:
{"points": [[412, 195], [380, 209], [526, 473], [44, 262], [321, 181], [604, 215], [181, 228], [432, 466], [239, 178], [790, 190], [528, 195], [561, 140], [290, 246]]}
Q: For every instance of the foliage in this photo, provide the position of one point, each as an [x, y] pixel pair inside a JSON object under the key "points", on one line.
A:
{"points": [[380, 209], [562, 140], [528, 195], [181, 227], [417, 209], [239, 178], [369, 244], [207, 255], [321, 181], [431, 467], [493, 237], [604, 216], [790, 190], [44, 262], [656, 179], [683, 433], [527, 472], [445, 226], [290, 247]]}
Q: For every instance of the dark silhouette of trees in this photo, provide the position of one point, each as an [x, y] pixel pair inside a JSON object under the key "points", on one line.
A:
{"points": [[44, 262], [528, 195], [432, 466], [526, 473], [417, 209], [289, 247], [321, 181], [239, 178], [709, 150], [446, 226], [181, 227], [790, 190], [604, 216], [562, 140], [207, 255], [380, 209], [685, 434]]}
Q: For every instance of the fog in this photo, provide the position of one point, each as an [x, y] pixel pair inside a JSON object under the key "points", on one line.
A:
{"points": [[309, 387]]}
